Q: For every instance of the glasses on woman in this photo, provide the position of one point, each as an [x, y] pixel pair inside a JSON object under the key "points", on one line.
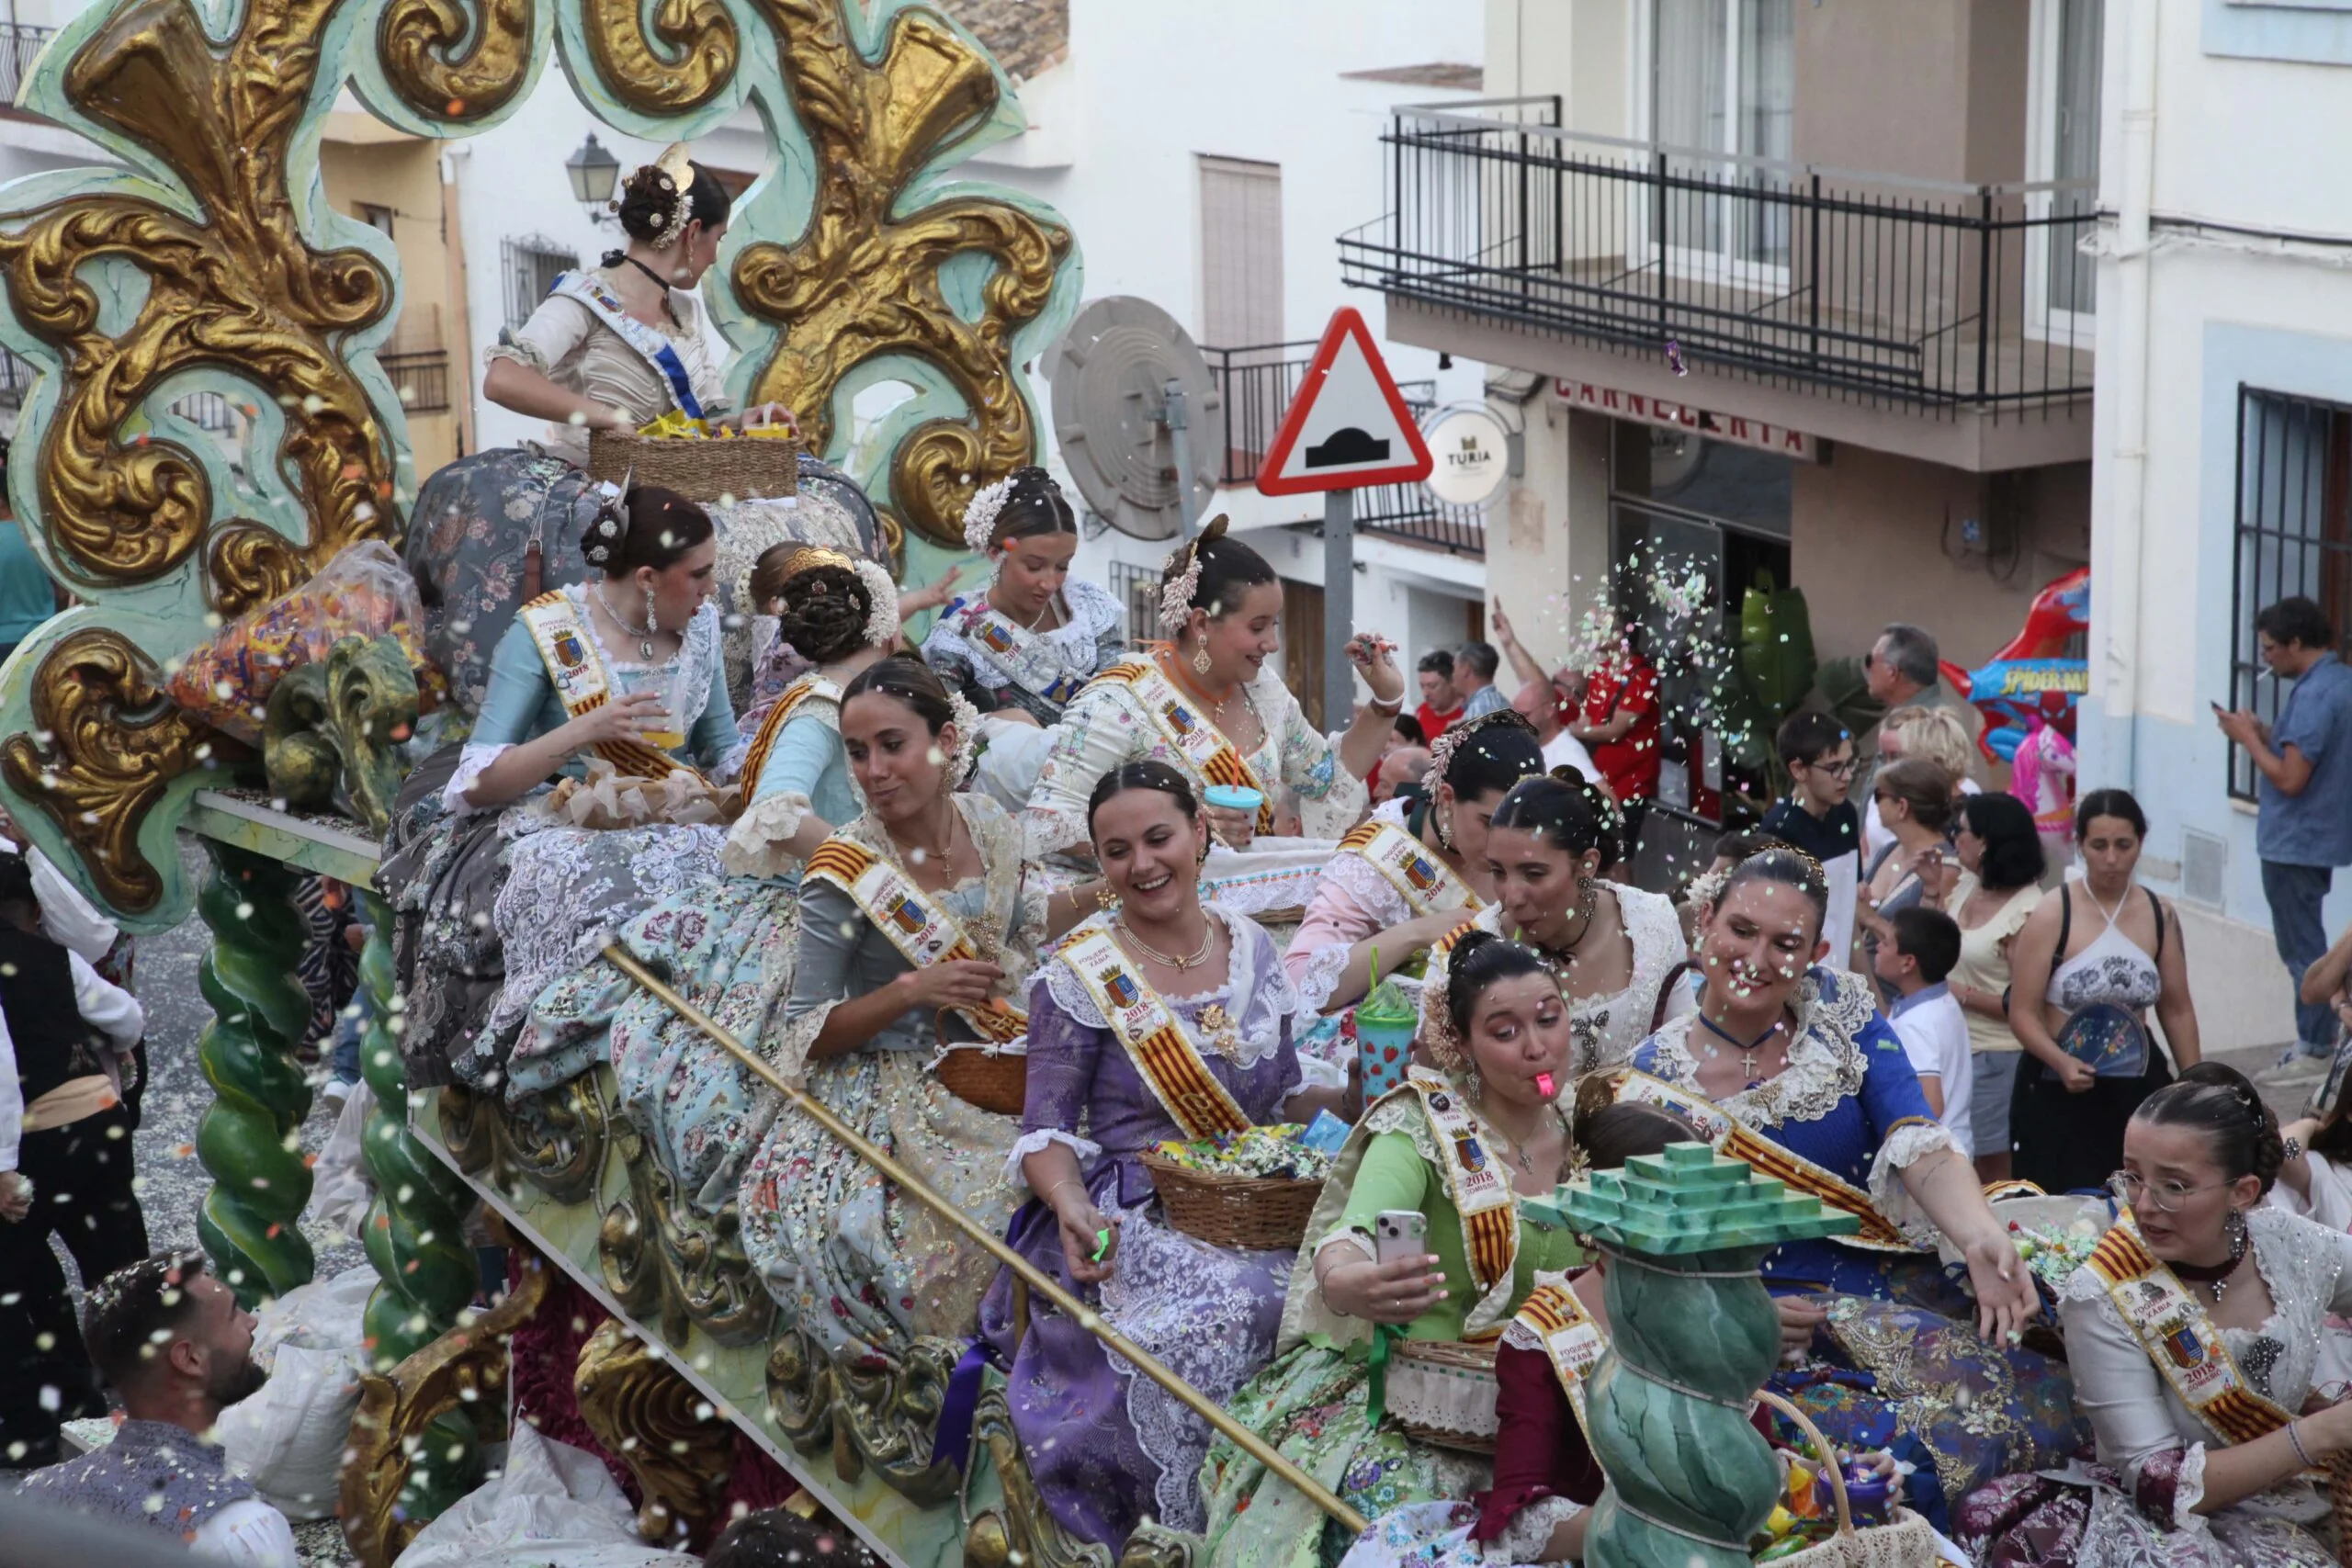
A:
{"points": [[2164, 1197]]}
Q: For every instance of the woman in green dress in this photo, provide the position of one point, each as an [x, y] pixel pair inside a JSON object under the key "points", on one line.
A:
{"points": [[1459, 1146]]}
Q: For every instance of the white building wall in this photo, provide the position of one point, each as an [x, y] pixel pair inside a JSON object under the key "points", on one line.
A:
{"points": [[1117, 129], [2237, 89]]}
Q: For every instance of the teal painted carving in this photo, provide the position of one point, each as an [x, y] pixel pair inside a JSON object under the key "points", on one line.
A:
{"points": [[247, 1140], [334, 729], [1692, 1337]]}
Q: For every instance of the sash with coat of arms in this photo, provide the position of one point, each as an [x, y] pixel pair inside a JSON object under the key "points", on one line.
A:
{"points": [[1019, 656], [559, 632], [1203, 748], [1573, 1340], [1425, 883], [1155, 1040], [923, 933]]}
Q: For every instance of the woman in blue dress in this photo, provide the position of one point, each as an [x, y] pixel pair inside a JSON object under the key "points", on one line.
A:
{"points": [[495, 895], [730, 942], [1790, 1066]]}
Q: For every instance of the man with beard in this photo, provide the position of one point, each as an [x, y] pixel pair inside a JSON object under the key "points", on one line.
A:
{"points": [[173, 1342]]}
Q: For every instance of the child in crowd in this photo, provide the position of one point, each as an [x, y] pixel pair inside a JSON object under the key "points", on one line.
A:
{"points": [[1815, 815], [1911, 964]]}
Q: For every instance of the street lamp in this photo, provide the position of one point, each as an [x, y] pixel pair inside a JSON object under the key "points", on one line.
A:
{"points": [[593, 173]]}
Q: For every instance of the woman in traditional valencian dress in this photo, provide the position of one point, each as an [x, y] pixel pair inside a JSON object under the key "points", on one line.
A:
{"points": [[730, 942], [1410, 876], [1545, 1477], [912, 913], [1159, 1020], [2192, 1334], [1793, 1069], [1615, 947], [1035, 636], [495, 900], [615, 347], [1207, 705], [1459, 1146]]}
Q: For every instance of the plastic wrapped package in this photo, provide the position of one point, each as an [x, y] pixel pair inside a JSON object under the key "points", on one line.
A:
{"points": [[551, 1503], [364, 591], [288, 1438]]}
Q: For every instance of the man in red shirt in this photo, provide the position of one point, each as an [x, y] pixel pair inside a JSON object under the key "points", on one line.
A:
{"points": [[1619, 721], [1440, 707]]}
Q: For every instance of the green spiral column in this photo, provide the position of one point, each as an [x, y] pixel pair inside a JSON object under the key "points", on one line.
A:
{"points": [[413, 1232], [1693, 1335], [249, 1140]]}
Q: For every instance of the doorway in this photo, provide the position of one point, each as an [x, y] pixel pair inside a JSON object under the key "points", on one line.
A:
{"points": [[1303, 647]]}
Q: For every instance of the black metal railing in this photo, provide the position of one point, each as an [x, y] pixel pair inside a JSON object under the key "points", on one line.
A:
{"points": [[420, 379], [1900, 292], [20, 43], [1257, 386]]}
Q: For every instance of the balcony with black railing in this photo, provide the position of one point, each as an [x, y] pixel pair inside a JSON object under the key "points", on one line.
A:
{"points": [[1918, 296], [1257, 386], [20, 43]]}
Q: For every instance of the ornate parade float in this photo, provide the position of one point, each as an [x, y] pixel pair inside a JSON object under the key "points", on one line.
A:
{"points": [[211, 264]]}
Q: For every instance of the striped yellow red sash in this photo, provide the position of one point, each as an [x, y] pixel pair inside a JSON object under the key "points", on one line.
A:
{"points": [[583, 683], [1425, 882], [1154, 1039], [2179, 1338], [1480, 1189], [923, 933], [1189, 731], [1731, 1136], [1571, 1336], [795, 697]]}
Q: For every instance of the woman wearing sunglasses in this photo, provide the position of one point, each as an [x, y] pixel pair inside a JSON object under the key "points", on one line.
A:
{"points": [[2192, 1334]]}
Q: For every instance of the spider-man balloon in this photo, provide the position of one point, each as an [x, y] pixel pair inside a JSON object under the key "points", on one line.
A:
{"points": [[2038, 674]]}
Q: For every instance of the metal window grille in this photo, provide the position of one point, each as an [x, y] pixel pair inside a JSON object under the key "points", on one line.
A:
{"points": [[532, 264], [2294, 535], [1139, 588]]}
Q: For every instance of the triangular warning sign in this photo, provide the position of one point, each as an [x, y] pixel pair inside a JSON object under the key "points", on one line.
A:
{"points": [[1348, 426]]}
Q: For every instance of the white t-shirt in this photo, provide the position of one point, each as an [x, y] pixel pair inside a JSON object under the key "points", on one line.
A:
{"points": [[1934, 1032]]}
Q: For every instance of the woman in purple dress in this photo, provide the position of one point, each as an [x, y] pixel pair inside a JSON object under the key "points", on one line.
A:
{"points": [[1155, 1020]]}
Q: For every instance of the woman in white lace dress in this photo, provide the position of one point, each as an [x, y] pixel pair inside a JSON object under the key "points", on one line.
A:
{"points": [[624, 667], [1206, 706], [1414, 872], [2192, 1334], [1615, 947]]}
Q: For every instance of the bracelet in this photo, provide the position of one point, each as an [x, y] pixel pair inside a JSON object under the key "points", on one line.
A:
{"points": [[2301, 1453], [1065, 1181], [1387, 710]]}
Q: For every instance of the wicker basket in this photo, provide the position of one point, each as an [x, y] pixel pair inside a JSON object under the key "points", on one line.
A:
{"points": [[1907, 1542], [1442, 1393], [744, 468], [1250, 1213], [993, 1080]]}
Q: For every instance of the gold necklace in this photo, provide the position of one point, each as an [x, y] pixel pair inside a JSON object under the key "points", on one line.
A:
{"points": [[947, 841], [1173, 961], [1518, 1150]]}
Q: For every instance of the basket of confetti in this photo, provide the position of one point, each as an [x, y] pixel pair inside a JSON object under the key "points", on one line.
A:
{"points": [[2053, 1237], [1442, 1393], [704, 464], [1254, 1191]]}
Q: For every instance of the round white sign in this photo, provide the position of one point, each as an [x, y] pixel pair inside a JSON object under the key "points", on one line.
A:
{"points": [[1470, 455]]}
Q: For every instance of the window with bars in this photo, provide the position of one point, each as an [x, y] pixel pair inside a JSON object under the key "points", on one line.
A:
{"points": [[1241, 253], [2294, 535], [1137, 588], [532, 264]]}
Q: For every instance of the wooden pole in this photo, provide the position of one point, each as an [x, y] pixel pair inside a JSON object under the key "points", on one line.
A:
{"points": [[1037, 1279]]}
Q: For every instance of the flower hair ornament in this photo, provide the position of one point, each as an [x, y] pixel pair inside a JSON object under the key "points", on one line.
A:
{"points": [[675, 169], [1176, 598], [1437, 1028], [607, 520], [882, 621], [980, 517], [966, 719], [1442, 750]]}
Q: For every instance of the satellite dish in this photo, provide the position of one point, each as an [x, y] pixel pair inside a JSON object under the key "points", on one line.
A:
{"points": [[1111, 374]]}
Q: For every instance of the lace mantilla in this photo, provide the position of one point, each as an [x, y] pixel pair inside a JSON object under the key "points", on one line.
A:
{"points": [[1826, 1061], [1255, 972]]}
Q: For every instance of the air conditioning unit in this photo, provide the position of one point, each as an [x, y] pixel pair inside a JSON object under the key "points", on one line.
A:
{"points": [[2204, 867]]}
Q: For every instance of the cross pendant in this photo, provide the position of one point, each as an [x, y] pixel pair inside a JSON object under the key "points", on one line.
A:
{"points": [[1747, 1065]]}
